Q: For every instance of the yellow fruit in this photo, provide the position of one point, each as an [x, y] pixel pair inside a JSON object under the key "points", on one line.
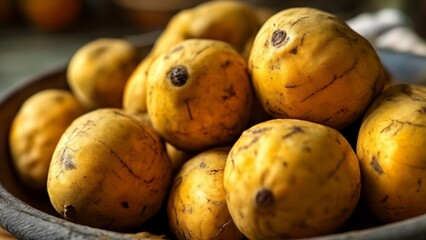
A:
{"points": [[308, 64], [36, 130], [109, 170], [197, 203], [288, 178], [199, 94], [234, 22], [98, 71], [391, 149], [134, 95]]}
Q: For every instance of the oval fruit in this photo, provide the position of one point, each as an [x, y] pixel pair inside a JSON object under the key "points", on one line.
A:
{"points": [[391, 149], [308, 64], [109, 170], [288, 178]]}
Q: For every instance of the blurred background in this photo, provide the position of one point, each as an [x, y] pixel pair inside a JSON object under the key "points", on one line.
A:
{"points": [[37, 35]]}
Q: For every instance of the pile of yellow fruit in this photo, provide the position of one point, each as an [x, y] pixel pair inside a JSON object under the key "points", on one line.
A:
{"points": [[234, 122]]}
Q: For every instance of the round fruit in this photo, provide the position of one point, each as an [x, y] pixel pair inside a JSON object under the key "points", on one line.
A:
{"points": [[199, 94], [197, 202], [109, 170], [288, 178], [391, 149], [98, 71], [308, 64], [35, 131]]}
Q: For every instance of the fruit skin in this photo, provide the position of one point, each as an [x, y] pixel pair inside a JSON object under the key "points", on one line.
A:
{"points": [[288, 178], [308, 64], [197, 202], [35, 131], [231, 21], [109, 170], [135, 89], [195, 103], [98, 71], [391, 149]]}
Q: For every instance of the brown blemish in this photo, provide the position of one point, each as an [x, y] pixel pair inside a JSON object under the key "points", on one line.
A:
{"points": [[99, 51], [125, 204], [294, 130], [226, 64], [229, 92], [289, 85], [259, 130], [335, 78], [123, 163], [149, 180], [419, 185], [264, 197], [69, 211], [202, 165], [178, 75], [59, 99], [188, 109], [178, 48], [293, 50], [214, 171], [278, 38], [67, 160], [298, 20], [385, 199], [406, 89], [422, 110], [376, 165]]}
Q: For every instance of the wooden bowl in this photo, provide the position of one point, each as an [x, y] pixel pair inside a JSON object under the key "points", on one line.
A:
{"points": [[29, 215]]}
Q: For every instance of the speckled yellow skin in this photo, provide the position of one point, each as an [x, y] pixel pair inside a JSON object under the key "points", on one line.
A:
{"points": [[98, 71], [109, 170], [308, 64], [36, 130], [212, 107], [391, 149], [197, 203], [231, 21], [288, 178], [134, 93]]}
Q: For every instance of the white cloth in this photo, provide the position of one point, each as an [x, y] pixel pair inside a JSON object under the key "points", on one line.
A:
{"points": [[389, 29]]}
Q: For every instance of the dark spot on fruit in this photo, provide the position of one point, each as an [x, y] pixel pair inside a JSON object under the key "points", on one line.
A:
{"points": [[260, 130], [99, 51], [178, 48], [376, 166], [289, 85], [178, 75], [263, 197], [125, 204], [294, 130], [278, 37], [293, 50], [422, 110], [226, 64], [67, 160], [406, 89], [229, 92], [59, 99], [69, 212], [202, 165], [419, 185], [385, 199]]}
